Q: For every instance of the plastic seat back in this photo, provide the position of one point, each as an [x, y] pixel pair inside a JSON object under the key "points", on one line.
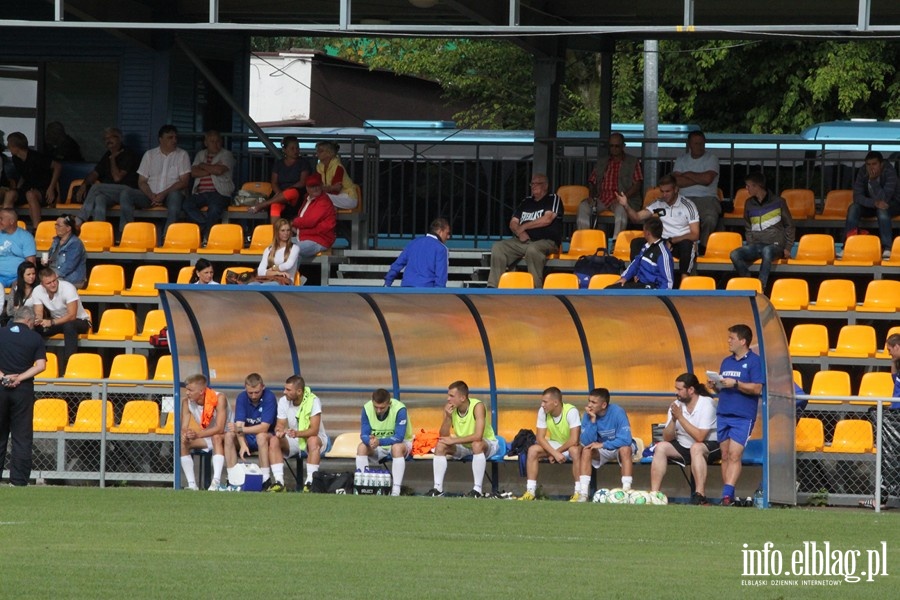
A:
{"points": [[584, 242], [97, 236], [89, 417], [50, 414], [51, 370], [894, 259], [345, 445], [744, 283], [84, 365], [138, 416], [237, 270], [165, 372], [720, 246], [622, 248], [115, 324], [882, 295], [224, 238], [169, 427], [180, 238], [259, 187], [105, 280], [852, 435], [883, 352], [814, 249], [790, 294], [43, 235], [259, 240], [128, 367], [855, 341], [652, 195], [801, 203], [830, 383], [697, 282], [740, 200], [809, 436], [571, 196], [153, 322], [877, 384], [860, 251], [836, 204], [516, 280], [561, 281], [809, 339], [145, 279], [137, 236], [185, 274], [835, 295], [601, 281]]}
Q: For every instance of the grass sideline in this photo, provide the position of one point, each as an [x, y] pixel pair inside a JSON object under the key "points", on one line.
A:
{"points": [[81, 542]]}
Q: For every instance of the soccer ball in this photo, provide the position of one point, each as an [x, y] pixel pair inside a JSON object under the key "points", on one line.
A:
{"points": [[600, 496], [638, 497], [658, 498], [617, 496]]}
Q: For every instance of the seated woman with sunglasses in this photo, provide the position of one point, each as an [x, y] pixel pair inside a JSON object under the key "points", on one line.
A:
{"points": [[67, 256]]}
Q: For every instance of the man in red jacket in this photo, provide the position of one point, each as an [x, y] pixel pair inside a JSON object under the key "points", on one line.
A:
{"points": [[316, 219]]}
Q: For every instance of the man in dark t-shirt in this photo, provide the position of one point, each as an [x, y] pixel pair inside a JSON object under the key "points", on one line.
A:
{"points": [[37, 177]]}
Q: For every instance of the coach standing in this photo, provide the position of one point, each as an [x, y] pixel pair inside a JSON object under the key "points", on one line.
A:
{"points": [[22, 356]]}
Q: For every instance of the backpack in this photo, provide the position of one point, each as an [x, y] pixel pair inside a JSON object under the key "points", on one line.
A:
{"points": [[161, 339], [522, 442], [594, 264]]}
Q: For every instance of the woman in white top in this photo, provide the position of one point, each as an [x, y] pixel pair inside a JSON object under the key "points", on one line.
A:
{"points": [[280, 260], [203, 273]]}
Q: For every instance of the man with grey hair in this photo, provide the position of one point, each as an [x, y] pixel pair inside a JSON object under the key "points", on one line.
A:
{"points": [[115, 172], [22, 356]]}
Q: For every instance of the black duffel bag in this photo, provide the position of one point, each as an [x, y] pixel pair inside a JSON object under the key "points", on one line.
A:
{"points": [[596, 264], [332, 483]]}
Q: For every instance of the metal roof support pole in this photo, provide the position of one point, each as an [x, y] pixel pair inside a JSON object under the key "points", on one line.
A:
{"points": [[548, 75], [864, 17], [607, 50], [213, 11], [651, 111], [344, 16], [59, 11], [514, 12], [689, 13]]}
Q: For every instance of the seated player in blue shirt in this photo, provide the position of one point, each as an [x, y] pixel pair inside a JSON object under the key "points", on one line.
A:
{"points": [[255, 411]]}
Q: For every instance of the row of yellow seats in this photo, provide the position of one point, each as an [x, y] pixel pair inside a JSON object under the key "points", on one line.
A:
{"points": [[853, 436], [120, 324], [813, 249], [836, 295], [854, 341], [138, 417], [835, 383], [124, 367]]}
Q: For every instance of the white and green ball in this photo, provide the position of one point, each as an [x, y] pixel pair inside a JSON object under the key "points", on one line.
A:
{"points": [[639, 497], [658, 498], [600, 496], [617, 496]]}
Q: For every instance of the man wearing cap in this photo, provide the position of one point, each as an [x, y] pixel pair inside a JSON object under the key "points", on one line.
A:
{"points": [[115, 172], [316, 220], [203, 416]]}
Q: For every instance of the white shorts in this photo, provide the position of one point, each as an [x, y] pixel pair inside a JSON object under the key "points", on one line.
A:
{"points": [[464, 451], [609, 455], [383, 452], [555, 445], [294, 445]]}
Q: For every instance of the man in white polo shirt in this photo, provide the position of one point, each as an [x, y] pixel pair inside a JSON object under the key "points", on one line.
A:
{"points": [[58, 309]]}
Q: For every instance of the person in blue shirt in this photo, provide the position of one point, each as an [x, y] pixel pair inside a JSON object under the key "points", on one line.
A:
{"points": [[255, 412], [740, 383], [605, 436], [653, 268], [385, 432], [425, 260]]}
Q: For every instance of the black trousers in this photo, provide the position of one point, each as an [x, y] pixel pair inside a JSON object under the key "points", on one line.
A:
{"points": [[16, 414], [70, 331]]}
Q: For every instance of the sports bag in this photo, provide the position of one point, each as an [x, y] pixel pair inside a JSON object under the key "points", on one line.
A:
{"points": [[161, 339], [332, 483], [594, 264]]}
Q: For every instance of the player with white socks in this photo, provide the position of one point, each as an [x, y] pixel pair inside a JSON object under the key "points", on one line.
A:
{"points": [[298, 428], [254, 422], [557, 440], [472, 436], [605, 436], [385, 430], [204, 408]]}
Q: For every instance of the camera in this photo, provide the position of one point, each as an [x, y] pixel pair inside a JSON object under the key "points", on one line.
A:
{"points": [[6, 381]]}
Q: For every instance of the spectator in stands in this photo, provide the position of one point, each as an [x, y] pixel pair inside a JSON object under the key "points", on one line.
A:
{"points": [[614, 173], [689, 435], [115, 172], [212, 171], [605, 436], [16, 246], [21, 289], [4, 178], [425, 260], [472, 435], [202, 406], [739, 383], [255, 411], [58, 309], [769, 229], [38, 177], [338, 185], [316, 219], [67, 256], [876, 193], [22, 356], [298, 428], [537, 227], [203, 273], [289, 172], [59, 145], [163, 176], [680, 220], [696, 173], [653, 267], [557, 440], [281, 258], [385, 432]]}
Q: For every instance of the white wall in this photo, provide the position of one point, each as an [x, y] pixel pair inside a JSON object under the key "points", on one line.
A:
{"points": [[279, 87]]}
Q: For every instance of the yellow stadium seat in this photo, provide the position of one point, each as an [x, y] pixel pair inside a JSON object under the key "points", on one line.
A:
{"points": [[260, 240], [571, 196], [50, 414], [882, 295], [855, 341], [138, 416], [185, 274], [145, 279], [835, 295], [153, 322], [894, 260], [697, 282], [237, 270], [89, 417], [809, 339], [801, 203], [116, 324], [561, 281], [164, 372], [740, 200], [719, 247], [883, 353], [652, 195], [829, 384], [798, 378], [600, 281], [128, 367], [181, 238], [852, 435], [790, 294], [84, 365], [169, 427], [878, 384], [43, 235], [97, 236], [810, 435], [860, 251], [51, 370], [73, 187], [516, 280], [224, 238], [260, 187], [585, 242], [622, 248], [105, 280], [814, 249], [744, 283], [137, 236], [836, 204], [359, 203], [345, 445]]}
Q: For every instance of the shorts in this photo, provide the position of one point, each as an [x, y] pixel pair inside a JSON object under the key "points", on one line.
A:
{"points": [[462, 451], [294, 445], [736, 429], [22, 199], [384, 452], [609, 455], [712, 448], [555, 445], [250, 438]]}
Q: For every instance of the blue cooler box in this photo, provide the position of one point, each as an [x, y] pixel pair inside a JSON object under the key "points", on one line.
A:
{"points": [[252, 483]]}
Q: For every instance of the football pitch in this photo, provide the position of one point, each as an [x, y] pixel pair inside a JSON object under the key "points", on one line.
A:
{"points": [[82, 542]]}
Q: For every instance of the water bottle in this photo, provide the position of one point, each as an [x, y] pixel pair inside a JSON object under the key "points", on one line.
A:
{"points": [[758, 499], [357, 481]]}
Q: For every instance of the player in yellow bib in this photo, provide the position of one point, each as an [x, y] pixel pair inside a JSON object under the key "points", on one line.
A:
{"points": [[472, 436], [385, 431], [558, 434]]}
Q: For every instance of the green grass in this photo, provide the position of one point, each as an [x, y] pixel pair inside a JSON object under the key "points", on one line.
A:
{"points": [[79, 542]]}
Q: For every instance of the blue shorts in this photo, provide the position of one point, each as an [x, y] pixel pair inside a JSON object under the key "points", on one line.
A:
{"points": [[250, 438], [736, 429]]}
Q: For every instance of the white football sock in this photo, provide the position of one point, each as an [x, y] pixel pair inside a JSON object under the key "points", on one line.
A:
{"points": [[440, 469], [187, 466]]}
